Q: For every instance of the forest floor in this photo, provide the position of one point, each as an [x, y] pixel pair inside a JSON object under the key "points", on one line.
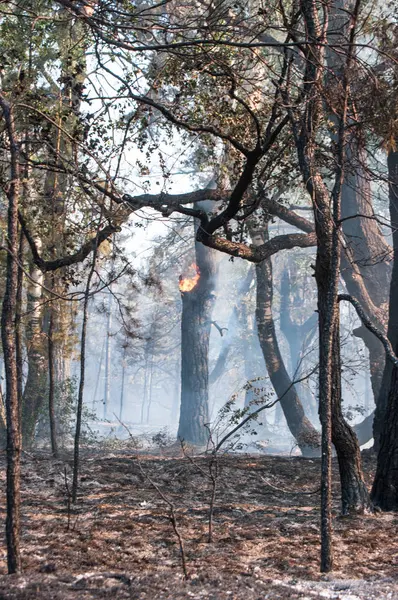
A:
{"points": [[120, 541]]}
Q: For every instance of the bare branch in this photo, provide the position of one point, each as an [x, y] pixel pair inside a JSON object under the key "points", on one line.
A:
{"points": [[369, 325], [70, 259]]}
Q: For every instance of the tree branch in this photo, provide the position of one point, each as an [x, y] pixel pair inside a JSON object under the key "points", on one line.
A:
{"points": [[369, 325], [70, 259], [257, 254]]}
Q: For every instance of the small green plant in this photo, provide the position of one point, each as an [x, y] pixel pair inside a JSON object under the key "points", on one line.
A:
{"points": [[65, 401], [232, 422]]}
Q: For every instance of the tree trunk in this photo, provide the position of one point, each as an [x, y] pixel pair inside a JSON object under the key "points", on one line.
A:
{"points": [[385, 486], [8, 314], [300, 427], [107, 382], [18, 318], [124, 364], [35, 390], [392, 330], [196, 317], [370, 252], [354, 493], [327, 217], [51, 386], [76, 451]]}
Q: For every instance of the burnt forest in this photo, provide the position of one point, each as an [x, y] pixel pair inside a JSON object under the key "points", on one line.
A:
{"points": [[199, 299]]}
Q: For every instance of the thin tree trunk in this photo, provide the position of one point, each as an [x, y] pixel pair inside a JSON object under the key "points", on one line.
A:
{"points": [[300, 427], [385, 486], [18, 332], [370, 252], [51, 386], [93, 407], [76, 453], [146, 376], [354, 493], [148, 410], [107, 384], [122, 384], [8, 314], [392, 331], [327, 216]]}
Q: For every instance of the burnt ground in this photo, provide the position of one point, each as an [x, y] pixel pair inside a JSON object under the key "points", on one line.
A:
{"points": [[121, 544]]}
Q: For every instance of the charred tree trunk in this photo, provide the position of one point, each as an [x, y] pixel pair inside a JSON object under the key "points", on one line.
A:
{"points": [[51, 386], [76, 450], [354, 493], [35, 390], [369, 250], [107, 381], [392, 332], [8, 314], [300, 427], [327, 217], [196, 317], [18, 318], [385, 486]]}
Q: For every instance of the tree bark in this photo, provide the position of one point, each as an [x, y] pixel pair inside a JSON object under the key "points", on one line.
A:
{"points": [[13, 524], [369, 250], [196, 317], [385, 486], [354, 493], [51, 386], [36, 385], [300, 427], [18, 318], [107, 380], [392, 330], [76, 450]]}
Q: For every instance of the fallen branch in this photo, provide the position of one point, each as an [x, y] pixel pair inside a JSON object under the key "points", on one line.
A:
{"points": [[278, 489]]}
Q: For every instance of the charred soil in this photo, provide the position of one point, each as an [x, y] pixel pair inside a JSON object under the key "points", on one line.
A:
{"points": [[120, 542]]}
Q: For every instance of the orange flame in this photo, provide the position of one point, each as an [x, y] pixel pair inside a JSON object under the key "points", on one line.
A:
{"points": [[186, 284]]}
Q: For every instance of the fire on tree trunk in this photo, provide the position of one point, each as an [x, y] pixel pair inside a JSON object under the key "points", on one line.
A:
{"points": [[197, 295]]}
